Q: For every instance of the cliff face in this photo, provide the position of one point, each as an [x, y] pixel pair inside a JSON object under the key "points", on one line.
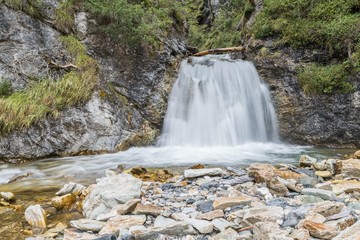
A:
{"points": [[324, 120], [127, 106], [129, 100]]}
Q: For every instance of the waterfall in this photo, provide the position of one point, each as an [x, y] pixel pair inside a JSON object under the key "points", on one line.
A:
{"points": [[217, 101]]}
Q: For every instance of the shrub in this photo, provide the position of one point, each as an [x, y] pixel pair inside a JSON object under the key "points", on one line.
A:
{"points": [[145, 22], [325, 79], [327, 23]]}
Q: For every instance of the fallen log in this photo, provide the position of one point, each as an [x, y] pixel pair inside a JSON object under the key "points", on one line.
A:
{"points": [[219, 50]]}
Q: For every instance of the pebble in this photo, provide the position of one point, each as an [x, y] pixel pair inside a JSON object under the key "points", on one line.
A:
{"points": [[7, 196]]}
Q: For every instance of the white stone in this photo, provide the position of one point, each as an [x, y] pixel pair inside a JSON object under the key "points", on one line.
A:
{"points": [[323, 194], [221, 224], [263, 213], [73, 188], [202, 226], [111, 191], [161, 221], [193, 173], [7, 196], [36, 217], [87, 225]]}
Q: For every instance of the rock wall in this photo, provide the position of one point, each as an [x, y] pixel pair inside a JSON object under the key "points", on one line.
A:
{"points": [[130, 99], [323, 120]]}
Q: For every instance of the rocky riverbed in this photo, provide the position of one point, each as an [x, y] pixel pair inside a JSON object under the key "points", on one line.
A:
{"points": [[319, 199]]}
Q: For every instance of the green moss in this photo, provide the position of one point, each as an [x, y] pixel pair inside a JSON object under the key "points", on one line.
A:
{"points": [[30, 6], [325, 79], [47, 97], [64, 15], [5, 88]]}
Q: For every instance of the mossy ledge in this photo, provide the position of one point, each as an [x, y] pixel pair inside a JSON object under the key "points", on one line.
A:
{"points": [[47, 97]]}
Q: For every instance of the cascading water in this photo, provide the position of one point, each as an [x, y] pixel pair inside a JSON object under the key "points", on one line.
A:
{"points": [[219, 113], [217, 101]]}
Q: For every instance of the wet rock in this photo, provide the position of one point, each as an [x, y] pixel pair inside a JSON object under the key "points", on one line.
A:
{"points": [[177, 229], [73, 188], [147, 210], [63, 202], [357, 154], [112, 226], [36, 217], [320, 230], [300, 234], [226, 202], [265, 213], [161, 221], [350, 167], [261, 172], [211, 215], [228, 234], [328, 208], [194, 173], [306, 161], [55, 231], [111, 191], [7, 196], [221, 224], [205, 207], [87, 225], [269, 231], [323, 174], [351, 233], [202, 226], [323, 194], [120, 209]]}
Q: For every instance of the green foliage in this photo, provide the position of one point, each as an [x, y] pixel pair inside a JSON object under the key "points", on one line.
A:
{"points": [[138, 22], [325, 79], [227, 27], [47, 97], [64, 15], [28, 6], [5, 88], [329, 23]]}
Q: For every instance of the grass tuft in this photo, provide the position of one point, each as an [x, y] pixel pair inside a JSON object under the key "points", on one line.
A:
{"points": [[46, 98]]}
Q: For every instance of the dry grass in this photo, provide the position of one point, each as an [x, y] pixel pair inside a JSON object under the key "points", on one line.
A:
{"points": [[47, 97]]}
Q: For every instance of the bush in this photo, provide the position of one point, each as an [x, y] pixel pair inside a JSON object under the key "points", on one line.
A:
{"points": [[327, 23], [145, 22], [325, 79], [226, 29]]}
